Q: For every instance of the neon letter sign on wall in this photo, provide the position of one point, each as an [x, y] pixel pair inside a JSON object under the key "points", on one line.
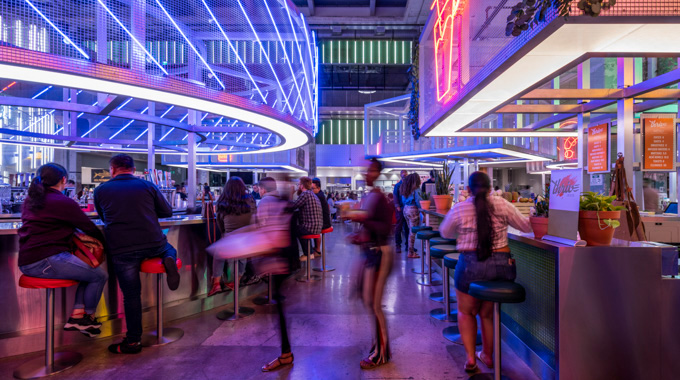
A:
{"points": [[443, 43]]}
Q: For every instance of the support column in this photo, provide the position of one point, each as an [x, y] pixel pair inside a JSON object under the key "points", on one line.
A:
{"points": [[138, 29], [625, 138], [312, 157], [150, 137], [194, 119]]}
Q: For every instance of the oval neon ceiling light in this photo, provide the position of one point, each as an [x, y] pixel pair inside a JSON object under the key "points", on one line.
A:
{"points": [[292, 136]]}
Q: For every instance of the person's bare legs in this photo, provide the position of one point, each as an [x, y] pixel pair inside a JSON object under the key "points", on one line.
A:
{"points": [[486, 315], [468, 308]]}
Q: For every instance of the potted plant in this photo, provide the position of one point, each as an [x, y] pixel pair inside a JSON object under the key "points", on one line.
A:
{"points": [[597, 218], [539, 217], [442, 180], [424, 200]]}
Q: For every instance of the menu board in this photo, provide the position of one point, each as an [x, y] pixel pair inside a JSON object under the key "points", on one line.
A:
{"points": [[565, 194], [659, 144], [598, 149]]}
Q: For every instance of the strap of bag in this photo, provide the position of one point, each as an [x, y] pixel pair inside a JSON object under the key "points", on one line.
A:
{"points": [[85, 250]]}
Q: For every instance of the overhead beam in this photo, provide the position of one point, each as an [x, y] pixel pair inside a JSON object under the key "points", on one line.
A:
{"points": [[111, 103], [310, 7], [540, 108]]}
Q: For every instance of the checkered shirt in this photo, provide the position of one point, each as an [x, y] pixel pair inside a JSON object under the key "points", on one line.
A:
{"points": [[310, 213]]}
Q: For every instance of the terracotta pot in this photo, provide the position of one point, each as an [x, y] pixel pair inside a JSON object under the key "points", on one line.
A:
{"points": [[425, 205], [592, 228], [540, 226], [442, 202]]}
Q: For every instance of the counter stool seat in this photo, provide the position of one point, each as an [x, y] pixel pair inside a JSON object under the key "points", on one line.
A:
{"points": [[450, 261], [441, 240], [324, 267], [497, 292], [52, 362], [441, 250], [327, 230], [162, 335], [415, 229], [427, 234]]}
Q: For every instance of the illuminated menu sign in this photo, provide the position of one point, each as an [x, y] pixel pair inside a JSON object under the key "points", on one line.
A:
{"points": [[659, 144], [598, 149]]}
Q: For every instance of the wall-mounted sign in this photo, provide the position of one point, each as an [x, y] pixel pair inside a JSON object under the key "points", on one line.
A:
{"points": [[445, 12], [598, 149], [99, 175], [658, 136], [222, 158], [565, 194]]}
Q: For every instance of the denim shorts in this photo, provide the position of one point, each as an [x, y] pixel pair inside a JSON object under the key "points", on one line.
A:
{"points": [[498, 267]]}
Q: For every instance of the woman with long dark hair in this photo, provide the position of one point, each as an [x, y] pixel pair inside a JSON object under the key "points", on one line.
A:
{"points": [[235, 207], [480, 224], [410, 199], [49, 220]]}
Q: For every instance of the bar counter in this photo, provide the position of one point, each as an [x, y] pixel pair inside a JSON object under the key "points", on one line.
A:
{"points": [[594, 312], [22, 315]]}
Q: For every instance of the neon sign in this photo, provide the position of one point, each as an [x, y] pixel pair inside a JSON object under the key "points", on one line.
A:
{"points": [[443, 43], [569, 148]]}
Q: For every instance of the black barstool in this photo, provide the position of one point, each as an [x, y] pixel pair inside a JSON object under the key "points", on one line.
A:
{"points": [[415, 230], [425, 237], [52, 362], [497, 292], [439, 296], [449, 256]]}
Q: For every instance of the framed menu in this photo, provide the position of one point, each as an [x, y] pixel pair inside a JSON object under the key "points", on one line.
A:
{"points": [[658, 142], [599, 143], [565, 194]]}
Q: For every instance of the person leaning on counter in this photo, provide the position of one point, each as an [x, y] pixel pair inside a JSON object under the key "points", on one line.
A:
{"points": [[130, 208]]}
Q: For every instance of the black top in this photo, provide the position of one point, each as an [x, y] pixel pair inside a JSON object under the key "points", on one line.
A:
{"points": [[48, 231], [422, 187], [397, 195], [325, 209], [130, 208]]}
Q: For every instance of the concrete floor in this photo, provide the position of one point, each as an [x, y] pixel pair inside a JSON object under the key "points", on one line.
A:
{"points": [[329, 328]]}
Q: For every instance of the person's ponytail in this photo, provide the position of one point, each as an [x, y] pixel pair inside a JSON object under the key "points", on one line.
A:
{"points": [[47, 176], [480, 185]]}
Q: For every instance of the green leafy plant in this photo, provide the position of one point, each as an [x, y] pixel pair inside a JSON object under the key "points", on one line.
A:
{"points": [[592, 201], [541, 205], [424, 196], [442, 180], [528, 13], [414, 104]]}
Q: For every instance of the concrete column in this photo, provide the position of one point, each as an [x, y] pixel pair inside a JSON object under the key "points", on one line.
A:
{"points": [[150, 137], [583, 82], [194, 120], [625, 138], [102, 45], [312, 157], [138, 29]]}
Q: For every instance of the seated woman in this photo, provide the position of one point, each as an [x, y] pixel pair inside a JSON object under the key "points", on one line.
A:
{"points": [[49, 220]]}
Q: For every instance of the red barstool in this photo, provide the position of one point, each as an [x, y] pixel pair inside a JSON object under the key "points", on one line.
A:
{"points": [[240, 312], [162, 335], [324, 268], [52, 363], [309, 277]]}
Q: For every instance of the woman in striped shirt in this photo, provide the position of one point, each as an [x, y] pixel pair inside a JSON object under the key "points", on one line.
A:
{"points": [[480, 225]]}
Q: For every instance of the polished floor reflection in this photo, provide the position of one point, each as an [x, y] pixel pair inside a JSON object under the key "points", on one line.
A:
{"points": [[330, 333]]}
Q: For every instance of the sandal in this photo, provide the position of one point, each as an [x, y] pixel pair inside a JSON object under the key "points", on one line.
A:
{"points": [[277, 363], [479, 356], [369, 364], [470, 367]]}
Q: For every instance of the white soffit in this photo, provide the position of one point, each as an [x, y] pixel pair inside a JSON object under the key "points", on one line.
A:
{"points": [[559, 49]]}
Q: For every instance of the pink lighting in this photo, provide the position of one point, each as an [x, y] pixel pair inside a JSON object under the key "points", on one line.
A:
{"points": [[446, 12]]}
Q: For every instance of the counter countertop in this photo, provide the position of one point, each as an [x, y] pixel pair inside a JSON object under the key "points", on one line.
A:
{"points": [[11, 228]]}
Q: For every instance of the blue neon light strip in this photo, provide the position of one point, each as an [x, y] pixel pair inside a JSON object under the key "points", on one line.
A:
{"points": [[302, 61], [127, 125], [41, 92], [133, 37], [285, 55], [173, 128], [106, 118], [68, 40], [266, 56], [233, 49], [163, 115], [190, 44]]}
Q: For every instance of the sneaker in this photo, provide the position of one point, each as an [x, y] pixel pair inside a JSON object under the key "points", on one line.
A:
{"points": [[87, 325], [126, 347], [171, 272], [304, 257], [250, 280]]}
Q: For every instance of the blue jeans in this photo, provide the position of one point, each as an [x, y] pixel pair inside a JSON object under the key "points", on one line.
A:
{"points": [[127, 266], [497, 267], [68, 267]]}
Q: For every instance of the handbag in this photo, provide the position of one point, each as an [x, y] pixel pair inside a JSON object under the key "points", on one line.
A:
{"points": [[88, 249], [632, 228]]}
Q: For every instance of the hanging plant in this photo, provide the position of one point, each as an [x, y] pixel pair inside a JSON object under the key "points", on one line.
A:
{"points": [[415, 95], [528, 13]]}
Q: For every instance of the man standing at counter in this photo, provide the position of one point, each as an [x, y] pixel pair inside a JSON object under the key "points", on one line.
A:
{"points": [[130, 208]]}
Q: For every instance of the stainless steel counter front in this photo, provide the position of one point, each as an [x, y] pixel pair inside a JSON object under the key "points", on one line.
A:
{"points": [[595, 312], [22, 315]]}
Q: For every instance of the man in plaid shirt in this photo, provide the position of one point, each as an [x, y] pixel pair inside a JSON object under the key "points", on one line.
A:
{"points": [[309, 214]]}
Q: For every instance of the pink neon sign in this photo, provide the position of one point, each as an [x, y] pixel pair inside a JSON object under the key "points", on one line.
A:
{"points": [[445, 13]]}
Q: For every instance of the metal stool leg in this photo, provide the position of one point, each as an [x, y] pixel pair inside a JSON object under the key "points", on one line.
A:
{"points": [[162, 335], [427, 280], [323, 268], [445, 314], [496, 375], [309, 277], [439, 297], [239, 312], [52, 363], [422, 260], [269, 299]]}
